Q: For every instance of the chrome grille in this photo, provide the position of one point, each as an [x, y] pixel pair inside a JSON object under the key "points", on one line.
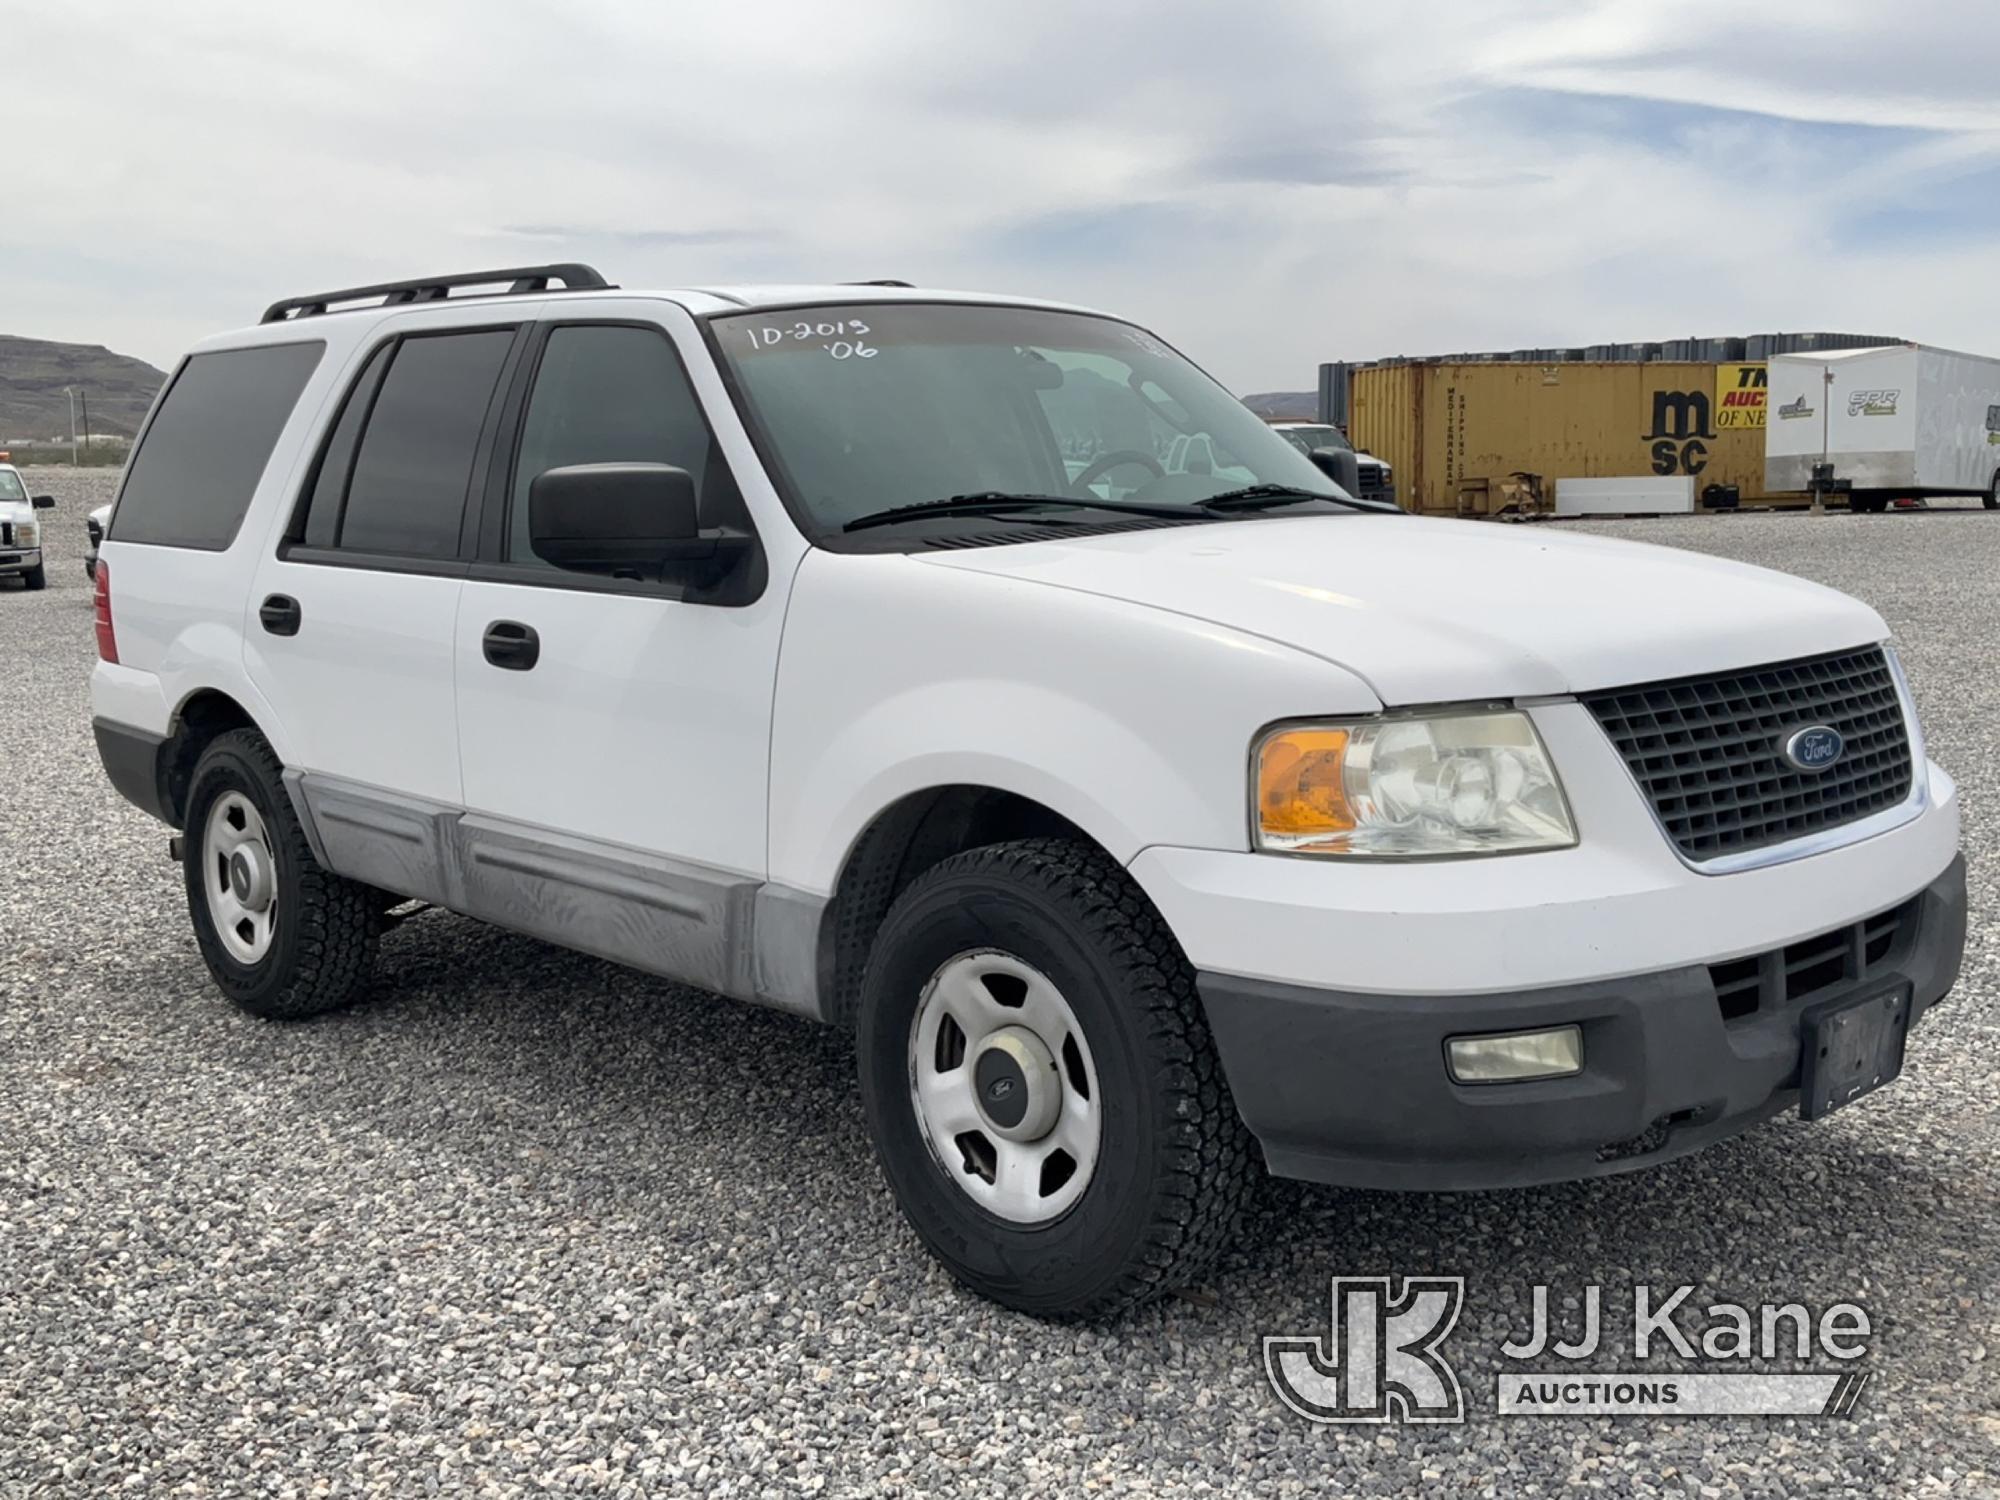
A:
{"points": [[1708, 752]]}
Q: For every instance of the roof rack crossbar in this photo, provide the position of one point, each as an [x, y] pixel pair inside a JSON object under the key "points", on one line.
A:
{"points": [[572, 276]]}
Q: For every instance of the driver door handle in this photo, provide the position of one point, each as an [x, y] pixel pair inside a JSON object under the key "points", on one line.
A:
{"points": [[512, 646]]}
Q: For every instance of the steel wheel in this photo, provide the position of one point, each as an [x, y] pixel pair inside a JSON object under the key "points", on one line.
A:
{"points": [[1004, 1088], [240, 877]]}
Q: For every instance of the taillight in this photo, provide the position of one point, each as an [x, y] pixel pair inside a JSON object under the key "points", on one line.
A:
{"points": [[107, 639]]}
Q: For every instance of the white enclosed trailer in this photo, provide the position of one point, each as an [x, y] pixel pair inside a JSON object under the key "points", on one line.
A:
{"points": [[1902, 419]]}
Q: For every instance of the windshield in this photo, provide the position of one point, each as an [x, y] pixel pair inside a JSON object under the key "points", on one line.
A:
{"points": [[870, 407], [11, 487], [1306, 439]]}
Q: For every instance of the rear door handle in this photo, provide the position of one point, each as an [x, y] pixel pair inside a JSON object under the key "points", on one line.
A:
{"points": [[511, 645], [280, 614]]}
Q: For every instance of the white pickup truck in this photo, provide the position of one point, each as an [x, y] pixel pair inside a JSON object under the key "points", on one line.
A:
{"points": [[851, 650], [21, 530], [1376, 480]]}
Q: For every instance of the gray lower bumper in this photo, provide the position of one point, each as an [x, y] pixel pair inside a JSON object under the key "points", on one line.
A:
{"points": [[132, 760], [1351, 1088]]}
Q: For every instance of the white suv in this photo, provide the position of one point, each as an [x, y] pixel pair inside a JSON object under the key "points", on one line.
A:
{"points": [[850, 649]]}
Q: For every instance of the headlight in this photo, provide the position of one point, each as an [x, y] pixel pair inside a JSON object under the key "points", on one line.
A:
{"points": [[27, 534], [1463, 783]]}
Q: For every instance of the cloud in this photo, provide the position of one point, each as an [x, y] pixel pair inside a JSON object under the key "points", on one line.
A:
{"points": [[1267, 186], [646, 237]]}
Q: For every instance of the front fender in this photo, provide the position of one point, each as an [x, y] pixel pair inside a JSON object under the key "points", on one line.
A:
{"points": [[1133, 723]]}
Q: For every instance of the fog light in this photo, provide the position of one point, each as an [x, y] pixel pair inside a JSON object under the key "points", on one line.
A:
{"points": [[1515, 1056]]}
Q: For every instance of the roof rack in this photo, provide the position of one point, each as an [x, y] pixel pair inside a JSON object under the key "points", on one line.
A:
{"points": [[574, 278], [883, 282]]}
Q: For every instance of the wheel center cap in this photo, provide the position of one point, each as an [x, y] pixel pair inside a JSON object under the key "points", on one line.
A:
{"points": [[1016, 1084], [250, 877]]}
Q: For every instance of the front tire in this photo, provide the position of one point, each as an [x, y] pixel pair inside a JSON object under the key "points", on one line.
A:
{"points": [[1993, 492], [284, 938], [36, 577], [1040, 1082]]}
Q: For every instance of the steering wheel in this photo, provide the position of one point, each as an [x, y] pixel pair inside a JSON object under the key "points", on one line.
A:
{"points": [[1104, 463]]}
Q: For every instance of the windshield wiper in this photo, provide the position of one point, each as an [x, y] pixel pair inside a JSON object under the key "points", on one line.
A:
{"points": [[1003, 503], [1268, 496]]}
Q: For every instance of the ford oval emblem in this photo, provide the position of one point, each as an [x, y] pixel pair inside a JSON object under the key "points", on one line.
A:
{"points": [[1815, 747]]}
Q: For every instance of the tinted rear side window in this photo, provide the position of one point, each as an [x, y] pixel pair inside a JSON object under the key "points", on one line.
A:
{"points": [[205, 449], [407, 493], [320, 522]]}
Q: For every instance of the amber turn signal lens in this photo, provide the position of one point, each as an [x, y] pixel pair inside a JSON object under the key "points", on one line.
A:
{"points": [[1299, 783]]}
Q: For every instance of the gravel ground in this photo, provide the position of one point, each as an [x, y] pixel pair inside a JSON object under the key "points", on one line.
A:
{"points": [[529, 1220]]}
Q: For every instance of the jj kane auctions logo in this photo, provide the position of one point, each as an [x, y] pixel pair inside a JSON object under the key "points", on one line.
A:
{"points": [[1382, 1357]]}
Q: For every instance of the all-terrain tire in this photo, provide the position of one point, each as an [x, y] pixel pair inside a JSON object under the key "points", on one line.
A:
{"points": [[1176, 1164], [322, 945], [36, 577]]}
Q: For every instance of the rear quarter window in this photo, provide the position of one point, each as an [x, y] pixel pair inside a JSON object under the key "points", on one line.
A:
{"points": [[198, 464]]}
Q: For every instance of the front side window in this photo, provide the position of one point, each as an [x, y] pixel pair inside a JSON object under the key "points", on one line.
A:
{"points": [[198, 464], [608, 394], [870, 407], [406, 493]]}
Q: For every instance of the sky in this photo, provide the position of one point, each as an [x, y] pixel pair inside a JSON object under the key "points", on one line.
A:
{"points": [[1266, 185]]}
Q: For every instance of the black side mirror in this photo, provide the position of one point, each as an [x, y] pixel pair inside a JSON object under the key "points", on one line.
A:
{"points": [[630, 519], [45, 502], [1341, 466]]}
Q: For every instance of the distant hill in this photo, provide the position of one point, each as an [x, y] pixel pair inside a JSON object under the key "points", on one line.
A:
{"points": [[35, 372], [1285, 406]]}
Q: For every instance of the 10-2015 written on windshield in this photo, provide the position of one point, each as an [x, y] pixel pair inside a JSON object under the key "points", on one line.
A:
{"points": [[844, 338]]}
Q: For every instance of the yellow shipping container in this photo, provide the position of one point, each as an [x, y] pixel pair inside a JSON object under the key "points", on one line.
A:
{"points": [[1458, 434]]}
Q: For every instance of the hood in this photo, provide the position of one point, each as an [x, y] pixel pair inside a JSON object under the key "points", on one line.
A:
{"points": [[16, 510], [1432, 611]]}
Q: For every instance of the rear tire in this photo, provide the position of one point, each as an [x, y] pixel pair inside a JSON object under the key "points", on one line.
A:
{"points": [[284, 938], [1993, 492], [1166, 1162], [36, 577]]}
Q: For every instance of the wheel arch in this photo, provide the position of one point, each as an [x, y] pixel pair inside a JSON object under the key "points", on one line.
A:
{"points": [[197, 721], [912, 834]]}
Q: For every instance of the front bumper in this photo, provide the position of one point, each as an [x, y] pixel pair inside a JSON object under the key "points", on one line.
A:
{"points": [[1351, 1088], [19, 560]]}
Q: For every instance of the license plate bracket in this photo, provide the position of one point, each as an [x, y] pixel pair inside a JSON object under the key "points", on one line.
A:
{"points": [[1850, 1048]]}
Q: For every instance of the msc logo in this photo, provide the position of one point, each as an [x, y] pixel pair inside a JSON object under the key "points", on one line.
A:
{"points": [[1381, 1363], [1682, 424]]}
